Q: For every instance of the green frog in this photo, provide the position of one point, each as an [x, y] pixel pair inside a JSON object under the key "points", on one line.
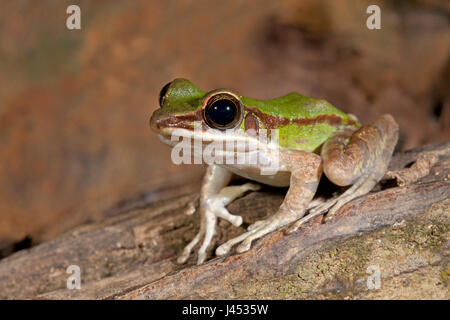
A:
{"points": [[313, 137]]}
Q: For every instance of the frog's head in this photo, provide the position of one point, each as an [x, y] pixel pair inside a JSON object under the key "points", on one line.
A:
{"points": [[182, 104]]}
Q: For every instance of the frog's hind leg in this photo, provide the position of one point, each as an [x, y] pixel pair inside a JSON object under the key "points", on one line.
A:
{"points": [[357, 158]]}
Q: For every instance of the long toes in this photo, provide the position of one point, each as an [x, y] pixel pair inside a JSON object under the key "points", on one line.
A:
{"points": [[226, 247], [255, 225], [224, 214], [334, 209], [253, 186], [315, 210], [191, 207], [187, 250], [244, 246], [223, 249], [322, 208], [332, 212], [201, 257], [235, 220], [315, 203], [264, 229], [183, 258], [258, 230], [294, 227], [189, 211], [202, 251]]}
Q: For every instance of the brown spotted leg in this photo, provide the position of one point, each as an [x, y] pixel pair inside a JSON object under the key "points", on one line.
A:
{"points": [[358, 158], [306, 169]]}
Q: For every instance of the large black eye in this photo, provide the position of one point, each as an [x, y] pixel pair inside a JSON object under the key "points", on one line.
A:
{"points": [[222, 112], [162, 94]]}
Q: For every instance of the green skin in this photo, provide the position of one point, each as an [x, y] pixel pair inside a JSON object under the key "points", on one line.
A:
{"points": [[314, 138], [185, 99]]}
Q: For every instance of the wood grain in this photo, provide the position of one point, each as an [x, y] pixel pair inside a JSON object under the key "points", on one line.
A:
{"points": [[132, 255]]}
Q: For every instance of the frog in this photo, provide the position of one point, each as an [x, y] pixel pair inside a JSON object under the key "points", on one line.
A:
{"points": [[315, 138]]}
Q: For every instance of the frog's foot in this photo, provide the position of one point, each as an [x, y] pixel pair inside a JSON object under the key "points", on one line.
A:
{"points": [[419, 169], [262, 227], [303, 185], [255, 231], [331, 206], [316, 202], [211, 209], [313, 205], [362, 187]]}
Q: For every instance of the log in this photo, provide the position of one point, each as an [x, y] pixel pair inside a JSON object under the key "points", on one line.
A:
{"points": [[398, 234]]}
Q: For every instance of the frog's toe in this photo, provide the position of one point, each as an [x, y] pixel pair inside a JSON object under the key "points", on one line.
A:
{"points": [[223, 249], [315, 203], [336, 207], [226, 247], [252, 186], [211, 209], [255, 225], [191, 206], [216, 205], [322, 208], [183, 257], [316, 208], [201, 257], [223, 213], [244, 246], [188, 249], [329, 208], [258, 230]]}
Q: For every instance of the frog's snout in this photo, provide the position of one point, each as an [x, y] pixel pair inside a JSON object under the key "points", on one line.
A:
{"points": [[154, 122]]}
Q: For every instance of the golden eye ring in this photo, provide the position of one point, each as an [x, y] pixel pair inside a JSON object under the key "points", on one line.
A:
{"points": [[222, 110]]}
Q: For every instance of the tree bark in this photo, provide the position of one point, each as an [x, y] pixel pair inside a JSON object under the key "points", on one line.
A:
{"points": [[397, 233]]}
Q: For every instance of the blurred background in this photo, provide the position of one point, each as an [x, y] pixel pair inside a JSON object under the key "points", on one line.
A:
{"points": [[75, 145]]}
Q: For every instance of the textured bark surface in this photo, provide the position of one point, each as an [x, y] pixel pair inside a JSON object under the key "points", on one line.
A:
{"points": [[75, 105], [402, 231]]}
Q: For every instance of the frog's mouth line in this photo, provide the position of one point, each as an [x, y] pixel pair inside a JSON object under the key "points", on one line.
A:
{"points": [[243, 141], [251, 155]]}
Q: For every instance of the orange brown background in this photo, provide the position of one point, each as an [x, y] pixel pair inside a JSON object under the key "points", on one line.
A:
{"points": [[74, 104]]}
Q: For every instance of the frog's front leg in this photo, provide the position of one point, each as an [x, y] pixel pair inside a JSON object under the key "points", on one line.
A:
{"points": [[359, 159], [214, 196], [306, 169]]}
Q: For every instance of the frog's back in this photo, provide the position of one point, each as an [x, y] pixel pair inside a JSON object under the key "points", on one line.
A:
{"points": [[303, 123]]}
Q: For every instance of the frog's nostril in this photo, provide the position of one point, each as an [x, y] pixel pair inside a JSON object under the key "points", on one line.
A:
{"points": [[154, 123]]}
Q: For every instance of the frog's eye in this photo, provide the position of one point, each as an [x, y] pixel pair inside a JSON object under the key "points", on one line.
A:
{"points": [[163, 94], [222, 111]]}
